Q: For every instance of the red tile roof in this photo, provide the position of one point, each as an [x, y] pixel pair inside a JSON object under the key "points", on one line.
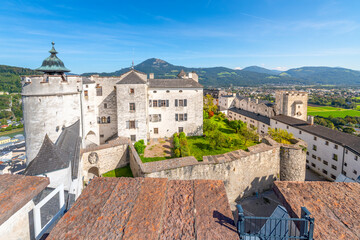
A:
{"points": [[335, 206], [149, 208], [16, 191]]}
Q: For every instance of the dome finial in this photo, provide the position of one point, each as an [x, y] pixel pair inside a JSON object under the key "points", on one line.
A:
{"points": [[53, 43]]}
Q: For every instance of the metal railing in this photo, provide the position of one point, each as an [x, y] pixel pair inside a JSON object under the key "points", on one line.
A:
{"points": [[275, 228]]}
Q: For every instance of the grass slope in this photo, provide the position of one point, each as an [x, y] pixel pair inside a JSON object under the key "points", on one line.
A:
{"points": [[199, 146]]}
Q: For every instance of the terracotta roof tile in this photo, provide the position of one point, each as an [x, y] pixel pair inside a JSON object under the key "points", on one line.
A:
{"points": [[16, 191], [148, 208], [334, 206]]}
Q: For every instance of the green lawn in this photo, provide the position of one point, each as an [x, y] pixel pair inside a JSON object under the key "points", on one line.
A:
{"points": [[153, 159], [326, 111], [13, 132], [199, 146], [119, 172]]}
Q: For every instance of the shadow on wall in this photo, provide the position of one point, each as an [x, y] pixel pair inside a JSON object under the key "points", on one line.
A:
{"points": [[258, 185]]}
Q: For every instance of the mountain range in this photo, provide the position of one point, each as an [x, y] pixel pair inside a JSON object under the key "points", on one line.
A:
{"points": [[249, 76], [214, 76]]}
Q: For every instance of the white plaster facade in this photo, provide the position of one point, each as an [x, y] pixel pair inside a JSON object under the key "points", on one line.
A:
{"points": [[325, 157], [292, 104]]}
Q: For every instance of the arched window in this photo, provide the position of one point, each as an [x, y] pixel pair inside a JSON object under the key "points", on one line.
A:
{"points": [[108, 119], [103, 119]]}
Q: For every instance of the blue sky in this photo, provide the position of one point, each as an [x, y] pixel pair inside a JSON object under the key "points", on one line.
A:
{"points": [[105, 36]]}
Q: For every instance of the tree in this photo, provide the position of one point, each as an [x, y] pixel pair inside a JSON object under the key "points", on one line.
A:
{"points": [[209, 105], [237, 125], [281, 136], [140, 146], [348, 130]]}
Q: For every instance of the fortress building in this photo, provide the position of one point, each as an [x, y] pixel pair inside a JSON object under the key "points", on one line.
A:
{"points": [[132, 105]]}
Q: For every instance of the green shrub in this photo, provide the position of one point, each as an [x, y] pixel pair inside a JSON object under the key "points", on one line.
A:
{"points": [[140, 146], [281, 136], [182, 135], [209, 126], [177, 153], [176, 143]]}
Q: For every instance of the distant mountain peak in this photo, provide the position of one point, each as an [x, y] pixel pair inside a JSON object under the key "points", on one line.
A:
{"points": [[261, 70]]}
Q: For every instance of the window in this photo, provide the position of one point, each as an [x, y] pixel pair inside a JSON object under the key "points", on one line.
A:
{"points": [[132, 107], [314, 147], [346, 151], [335, 157], [355, 172], [319, 159], [300, 132], [154, 91], [333, 167], [105, 105], [101, 135], [356, 158], [132, 91], [155, 103], [180, 90], [98, 90], [181, 117], [86, 93], [333, 176], [287, 127], [133, 138], [108, 119], [307, 153], [313, 164], [344, 173], [132, 124], [324, 171], [103, 120], [336, 146], [313, 156], [327, 143], [87, 86], [98, 120], [181, 129], [156, 130], [345, 164], [162, 103], [155, 117], [325, 162], [180, 102], [167, 91], [315, 138]]}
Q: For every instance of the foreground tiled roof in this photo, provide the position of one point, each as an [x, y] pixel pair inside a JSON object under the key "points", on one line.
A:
{"points": [[16, 191], [174, 83], [252, 115], [335, 206], [148, 208], [344, 139]]}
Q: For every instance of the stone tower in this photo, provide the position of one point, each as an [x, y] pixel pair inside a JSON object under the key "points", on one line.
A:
{"points": [[292, 104], [51, 102]]}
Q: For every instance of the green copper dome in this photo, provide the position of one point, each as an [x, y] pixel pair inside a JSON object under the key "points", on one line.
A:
{"points": [[53, 65]]}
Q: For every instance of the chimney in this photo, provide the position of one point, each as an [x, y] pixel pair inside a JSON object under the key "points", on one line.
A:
{"points": [[194, 76], [257, 101], [151, 75], [249, 99], [311, 120]]}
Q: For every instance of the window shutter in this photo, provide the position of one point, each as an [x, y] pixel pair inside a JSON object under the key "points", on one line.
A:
{"points": [[150, 103], [108, 119], [136, 124], [167, 103], [176, 117], [98, 119], [127, 124], [185, 117], [159, 117], [176, 102], [185, 102]]}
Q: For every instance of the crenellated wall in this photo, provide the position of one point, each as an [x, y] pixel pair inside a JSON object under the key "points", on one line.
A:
{"points": [[244, 173]]}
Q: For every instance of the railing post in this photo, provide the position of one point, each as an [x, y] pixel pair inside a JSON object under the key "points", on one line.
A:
{"points": [[306, 227], [241, 221]]}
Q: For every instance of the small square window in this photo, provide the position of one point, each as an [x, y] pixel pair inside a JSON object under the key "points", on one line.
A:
{"points": [[300, 132], [287, 127], [133, 138], [324, 171], [315, 138], [101, 135], [313, 156], [345, 164], [132, 106], [314, 147], [156, 130], [336, 146], [132, 124], [86, 93], [356, 158], [333, 167], [355, 172], [333, 176], [105, 105], [325, 162], [181, 129], [132, 91], [327, 143], [313, 164], [87, 86], [344, 173], [335, 157]]}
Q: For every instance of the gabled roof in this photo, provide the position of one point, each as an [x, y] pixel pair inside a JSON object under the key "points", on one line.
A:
{"points": [[181, 73], [132, 78], [148, 208], [174, 83], [344, 139], [52, 157]]}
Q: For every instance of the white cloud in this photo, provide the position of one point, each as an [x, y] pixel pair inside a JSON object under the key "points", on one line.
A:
{"points": [[281, 68], [238, 68]]}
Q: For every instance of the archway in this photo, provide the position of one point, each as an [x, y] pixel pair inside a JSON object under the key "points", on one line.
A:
{"points": [[93, 172], [90, 138]]}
